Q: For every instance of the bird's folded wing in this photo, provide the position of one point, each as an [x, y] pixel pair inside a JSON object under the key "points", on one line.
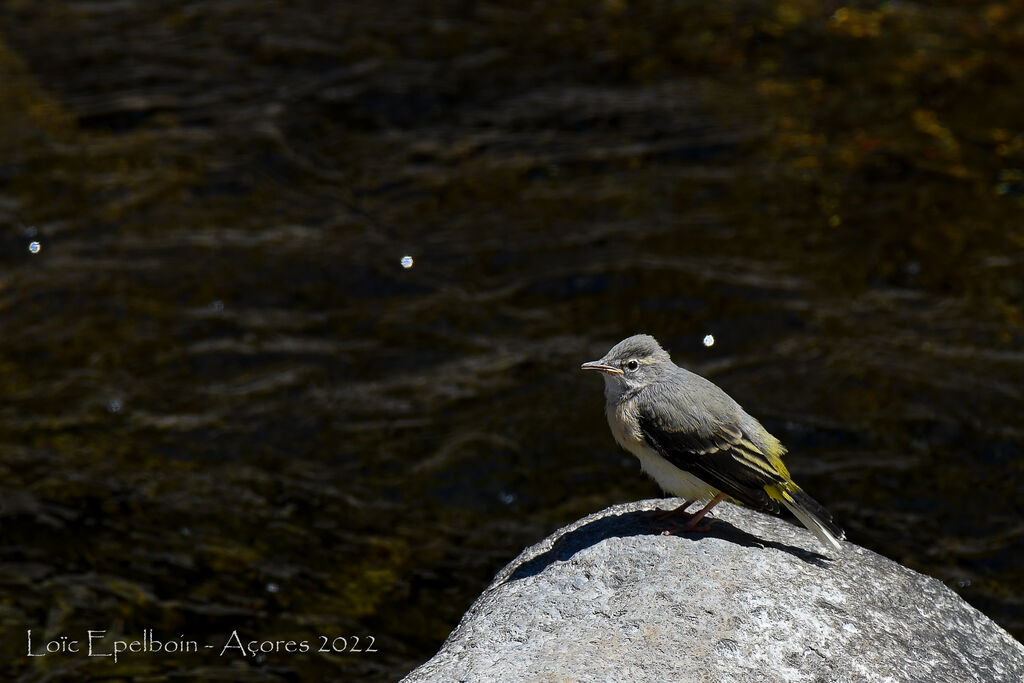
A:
{"points": [[720, 454]]}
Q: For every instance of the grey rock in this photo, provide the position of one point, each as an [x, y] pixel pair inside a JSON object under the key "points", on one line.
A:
{"points": [[609, 599]]}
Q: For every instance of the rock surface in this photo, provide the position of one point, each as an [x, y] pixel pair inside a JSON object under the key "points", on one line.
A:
{"points": [[609, 599]]}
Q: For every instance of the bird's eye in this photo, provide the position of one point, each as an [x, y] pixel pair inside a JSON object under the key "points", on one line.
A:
{"points": [[632, 366]]}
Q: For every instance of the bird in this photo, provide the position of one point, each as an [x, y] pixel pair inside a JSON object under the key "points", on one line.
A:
{"points": [[697, 442]]}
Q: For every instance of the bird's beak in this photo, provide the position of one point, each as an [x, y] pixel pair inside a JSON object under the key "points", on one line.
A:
{"points": [[603, 367]]}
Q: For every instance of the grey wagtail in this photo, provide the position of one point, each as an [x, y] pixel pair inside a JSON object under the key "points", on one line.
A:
{"points": [[696, 441]]}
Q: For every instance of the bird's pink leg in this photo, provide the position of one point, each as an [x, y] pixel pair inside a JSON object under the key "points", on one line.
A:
{"points": [[699, 515], [662, 515], [690, 520]]}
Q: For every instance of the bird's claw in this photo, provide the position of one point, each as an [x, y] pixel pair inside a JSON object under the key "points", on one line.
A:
{"points": [[685, 528]]}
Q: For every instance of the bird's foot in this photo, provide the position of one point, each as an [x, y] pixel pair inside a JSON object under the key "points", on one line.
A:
{"points": [[680, 521], [677, 520], [667, 515], [689, 524], [701, 529]]}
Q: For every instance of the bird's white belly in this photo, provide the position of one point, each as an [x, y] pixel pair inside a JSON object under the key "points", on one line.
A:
{"points": [[669, 477], [672, 479]]}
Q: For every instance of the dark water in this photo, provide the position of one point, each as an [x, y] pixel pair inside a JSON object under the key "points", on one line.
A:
{"points": [[226, 406]]}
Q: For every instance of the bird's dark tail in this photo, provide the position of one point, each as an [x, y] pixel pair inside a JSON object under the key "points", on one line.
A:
{"points": [[813, 515]]}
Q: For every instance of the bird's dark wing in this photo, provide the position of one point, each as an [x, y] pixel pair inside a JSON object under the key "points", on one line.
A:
{"points": [[720, 455]]}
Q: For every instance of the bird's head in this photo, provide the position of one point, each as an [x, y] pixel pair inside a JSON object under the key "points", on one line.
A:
{"points": [[632, 364]]}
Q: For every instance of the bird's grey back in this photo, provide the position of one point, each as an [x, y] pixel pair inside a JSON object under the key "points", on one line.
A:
{"points": [[702, 406], [698, 403]]}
